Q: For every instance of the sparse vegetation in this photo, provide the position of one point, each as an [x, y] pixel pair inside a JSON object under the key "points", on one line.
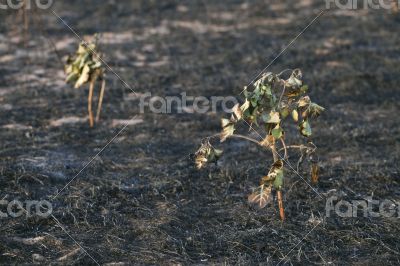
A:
{"points": [[127, 192], [85, 67], [269, 103]]}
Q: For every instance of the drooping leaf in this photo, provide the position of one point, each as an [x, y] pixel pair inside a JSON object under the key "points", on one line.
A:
{"points": [[271, 118], [315, 110], [295, 115], [245, 106], [261, 197], [277, 132], [295, 79], [84, 77], [304, 101], [267, 141], [237, 112], [72, 77], [305, 129], [225, 122], [285, 112], [84, 66], [278, 182], [228, 128], [206, 154]]}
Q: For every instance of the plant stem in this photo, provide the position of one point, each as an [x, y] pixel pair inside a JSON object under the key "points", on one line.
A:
{"points": [[280, 203], [235, 136], [91, 120], [284, 148], [103, 86], [279, 192], [274, 152], [245, 138]]}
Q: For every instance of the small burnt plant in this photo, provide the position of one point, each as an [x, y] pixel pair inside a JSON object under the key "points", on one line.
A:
{"points": [[270, 102], [85, 67]]}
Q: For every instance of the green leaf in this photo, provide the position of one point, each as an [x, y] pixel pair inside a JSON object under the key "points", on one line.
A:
{"points": [[266, 90], [277, 132], [278, 182], [304, 89], [315, 110], [285, 112], [305, 129], [72, 77], [254, 101]]}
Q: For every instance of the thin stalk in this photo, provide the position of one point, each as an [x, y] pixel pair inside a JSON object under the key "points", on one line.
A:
{"points": [[281, 97], [235, 136], [279, 192], [284, 148], [280, 203], [90, 97], [103, 86]]}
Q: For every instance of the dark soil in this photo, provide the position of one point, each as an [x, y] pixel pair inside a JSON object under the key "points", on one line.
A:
{"points": [[142, 201]]}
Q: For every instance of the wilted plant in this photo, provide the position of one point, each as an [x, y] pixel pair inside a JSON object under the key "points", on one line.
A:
{"points": [[269, 104], [85, 67]]}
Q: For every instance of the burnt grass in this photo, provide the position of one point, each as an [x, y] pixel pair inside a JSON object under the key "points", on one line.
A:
{"points": [[141, 201]]}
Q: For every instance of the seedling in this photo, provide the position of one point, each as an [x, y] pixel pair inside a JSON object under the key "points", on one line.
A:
{"points": [[270, 103], [85, 67]]}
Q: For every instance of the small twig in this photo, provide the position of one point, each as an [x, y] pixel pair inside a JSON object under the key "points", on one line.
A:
{"points": [[103, 86]]}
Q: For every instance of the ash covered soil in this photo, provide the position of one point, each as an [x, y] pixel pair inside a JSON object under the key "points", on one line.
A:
{"points": [[141, 201]]}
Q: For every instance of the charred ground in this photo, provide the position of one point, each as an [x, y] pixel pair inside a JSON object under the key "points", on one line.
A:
{"points": [[142, 200]]}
